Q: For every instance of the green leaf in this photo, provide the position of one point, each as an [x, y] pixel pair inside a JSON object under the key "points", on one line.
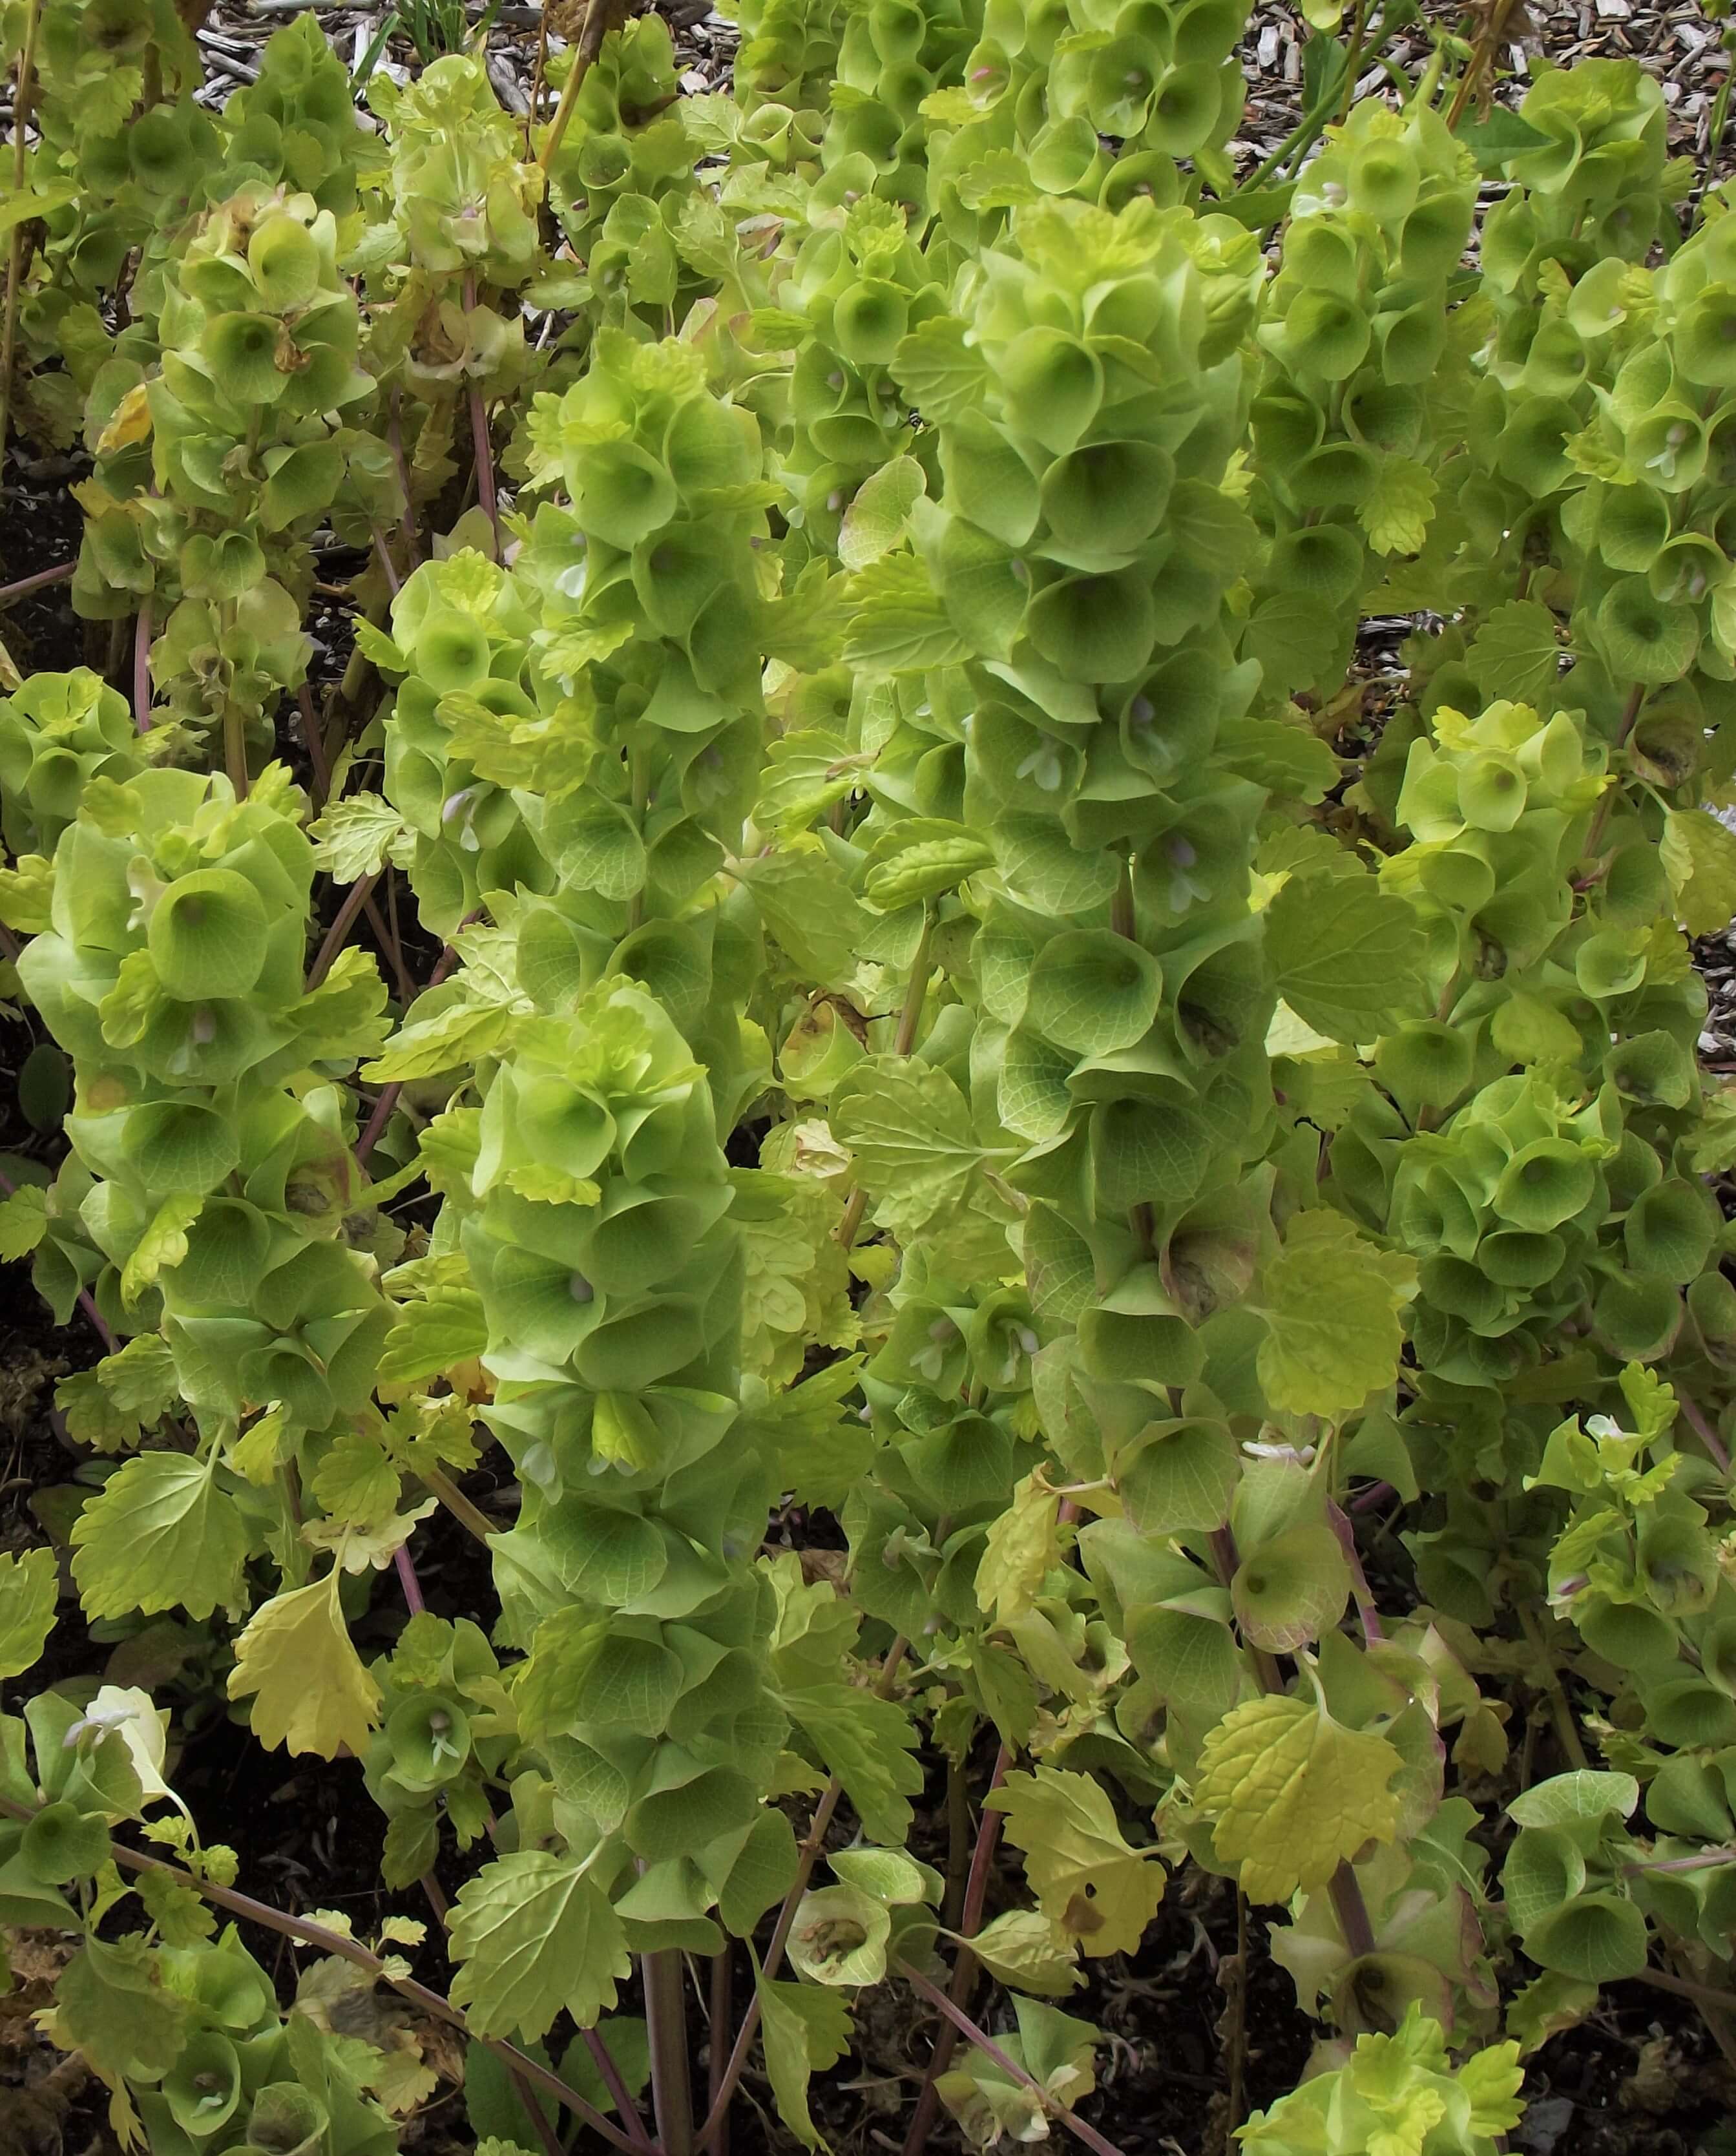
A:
{"points": [[1517, 653], [23, 1222], [1396, 511], [355, 1482], [1332, 1301], [159, 1535], [897, 622], [112, 2004], [839, 1936], [1699, 858], [1098, 1892], [1501, 137], [297, 1662], [1346, 955], [909, 1127], [356, 837], [878, 517], [141, 1378], [806, 2030], [432, 1335], [941, 370], [1292, 1795], [805, 902], [548, 753], [868, 1743], [532, 1934], [29, 1588]]}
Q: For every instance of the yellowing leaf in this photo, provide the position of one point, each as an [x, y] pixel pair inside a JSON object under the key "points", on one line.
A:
{"points": [[131, 423], [1293, 1794], [1023, 1544], [1101, 1893], [297, 1662], [163, 1243]]}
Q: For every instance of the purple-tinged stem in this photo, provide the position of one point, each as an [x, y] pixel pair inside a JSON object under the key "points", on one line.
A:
{"points": [[964, 1969], [40, 582], [987, 2045]]}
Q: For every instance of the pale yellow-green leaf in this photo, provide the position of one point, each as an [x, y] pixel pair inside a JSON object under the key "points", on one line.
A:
{"points": [[29, 1585], [297, 1664], [1292, 1793], [806, 2030], [163, 1243], [1699, 858], [1030, 1952], [1023, 1545], [1396, 511], [1098, 1891], [23, 1222]]}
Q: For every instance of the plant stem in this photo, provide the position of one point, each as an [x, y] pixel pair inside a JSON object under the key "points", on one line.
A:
{"points": [[40, 582], [964, 1969], [234, 749], [1353, 59], [355, 898], [1715, 130], [441, 1486], [15, 251], [384, 554], [1560, 1712], [387, 1101], [721, 2007], [1351, 1911], [1052, 2106], [405, 1565], [307, 1933], [316, 742], [486, 493], [1630, 718], [666, 2002], [1695, 1418], [593, 31], [807, 1856], [141, 666], [394, 436]]}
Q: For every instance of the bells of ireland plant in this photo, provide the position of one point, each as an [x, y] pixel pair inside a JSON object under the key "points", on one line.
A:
{"points": [[622, 178], [1355, 332], [214, 468], [58, 732], [596, 1226], [207, 1109]]}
